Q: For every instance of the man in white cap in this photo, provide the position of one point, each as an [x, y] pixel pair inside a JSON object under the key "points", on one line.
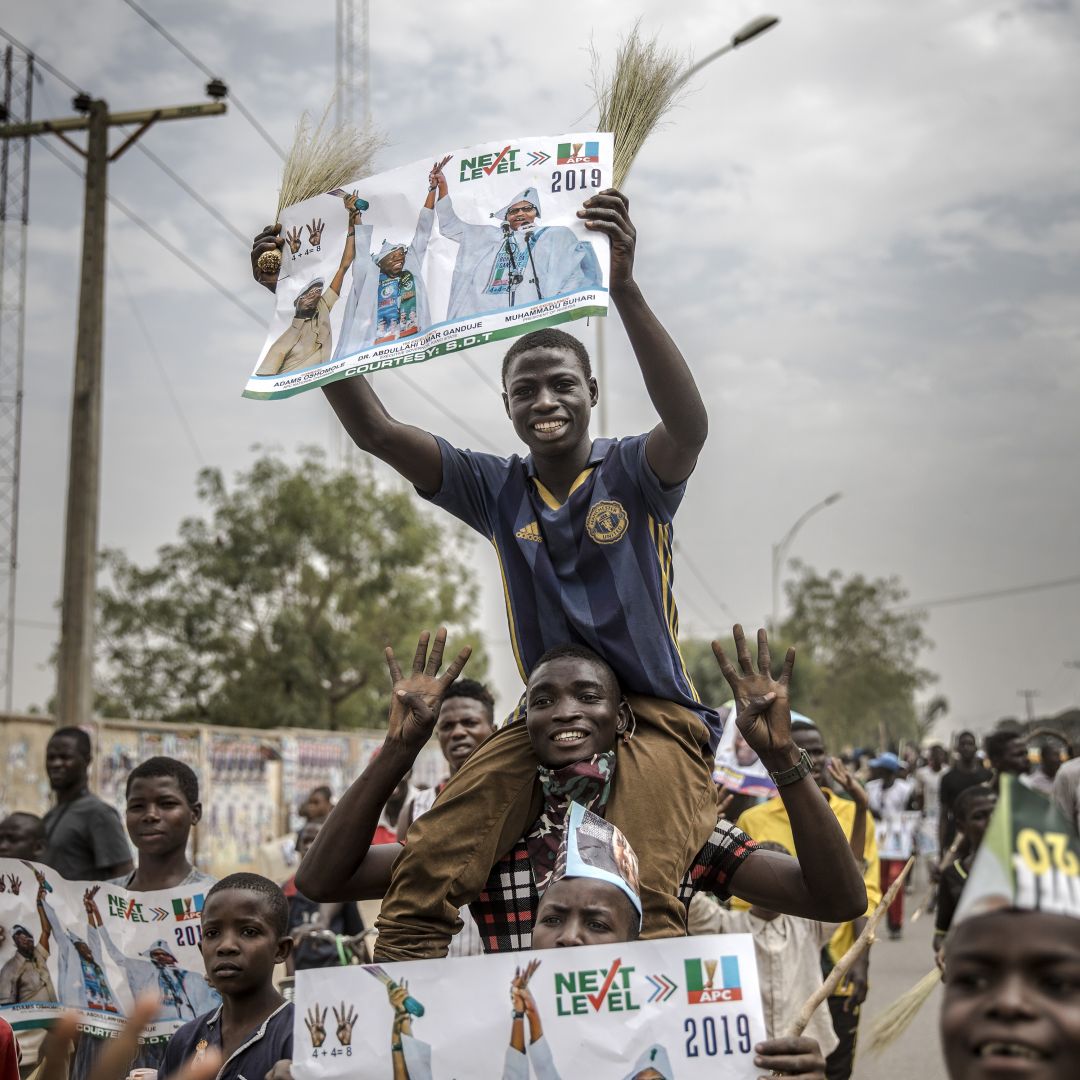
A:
{"points": [[514, 262]]}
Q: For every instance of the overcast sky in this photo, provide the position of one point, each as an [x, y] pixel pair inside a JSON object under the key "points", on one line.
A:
{"points": [[863, 229]]}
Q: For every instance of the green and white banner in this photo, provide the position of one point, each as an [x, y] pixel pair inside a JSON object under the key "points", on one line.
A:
{"points": [[456, 250], [677, 1007]]}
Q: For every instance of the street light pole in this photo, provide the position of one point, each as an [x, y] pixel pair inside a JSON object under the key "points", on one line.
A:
{"points": [[751, 30], [754, 28], [780, 550]]}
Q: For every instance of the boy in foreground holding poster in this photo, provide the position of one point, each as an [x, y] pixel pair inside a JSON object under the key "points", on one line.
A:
{"points": [[583, 535]]}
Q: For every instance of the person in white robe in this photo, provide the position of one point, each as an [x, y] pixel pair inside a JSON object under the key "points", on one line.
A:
{"points": [[388, 298], [515, 262]]}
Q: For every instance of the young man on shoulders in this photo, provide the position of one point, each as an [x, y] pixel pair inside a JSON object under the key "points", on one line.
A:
{"points": [[579, 727], [582, 532]]}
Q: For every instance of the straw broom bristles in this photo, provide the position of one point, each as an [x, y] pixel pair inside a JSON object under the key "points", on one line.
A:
{"points": [[322, 157], [632, 100], [894, 1021]]}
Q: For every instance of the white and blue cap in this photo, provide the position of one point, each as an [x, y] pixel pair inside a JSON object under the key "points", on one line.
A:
{"points": [[655, 1059], [385, 250], [529, 195], [159, 946], [888, 761], [594, 848]]}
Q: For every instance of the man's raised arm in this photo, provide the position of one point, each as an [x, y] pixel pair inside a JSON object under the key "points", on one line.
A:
{"points": [[823, 882], [341, 864], [674, 444], [409, 450]]}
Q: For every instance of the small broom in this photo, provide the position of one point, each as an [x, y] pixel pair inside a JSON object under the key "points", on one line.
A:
{"points": [[637, 94], [320, 159], [847, 961], [894, 1021]]}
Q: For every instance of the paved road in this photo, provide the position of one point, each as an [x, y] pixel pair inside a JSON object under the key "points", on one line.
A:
{"points": [[895, 966]]}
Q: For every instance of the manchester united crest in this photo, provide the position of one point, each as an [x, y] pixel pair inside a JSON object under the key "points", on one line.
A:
{"points": [[607, 522]]}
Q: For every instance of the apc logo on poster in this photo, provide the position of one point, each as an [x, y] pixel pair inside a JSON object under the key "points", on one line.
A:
{"points": [[701, 981], [187, 907], [587, 153]]}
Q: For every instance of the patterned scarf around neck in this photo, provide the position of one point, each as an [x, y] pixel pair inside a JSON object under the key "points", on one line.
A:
{"points": [[586, 782]]}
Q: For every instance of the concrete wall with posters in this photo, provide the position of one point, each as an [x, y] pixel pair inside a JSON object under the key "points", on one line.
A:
{"points": [[251, 780]]}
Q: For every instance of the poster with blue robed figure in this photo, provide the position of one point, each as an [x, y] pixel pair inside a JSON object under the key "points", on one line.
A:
{"points": [[93, 947], [456, 250], [675, 1008]]}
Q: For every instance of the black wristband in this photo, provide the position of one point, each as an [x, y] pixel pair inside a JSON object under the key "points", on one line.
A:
{"points": [[803, 767]]}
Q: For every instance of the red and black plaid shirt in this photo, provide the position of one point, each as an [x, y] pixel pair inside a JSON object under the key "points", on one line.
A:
{"points": [[506, 910]]}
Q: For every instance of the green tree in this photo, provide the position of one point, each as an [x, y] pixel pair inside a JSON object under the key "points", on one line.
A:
{"points": [[857, 671], [274, 608]]}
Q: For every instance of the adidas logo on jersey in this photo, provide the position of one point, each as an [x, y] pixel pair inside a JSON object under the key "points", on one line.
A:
{"points": [[529, 532]]}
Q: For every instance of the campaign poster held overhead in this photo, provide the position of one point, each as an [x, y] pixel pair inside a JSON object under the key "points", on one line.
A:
{"points": [[676, 1007], [457, 250]]}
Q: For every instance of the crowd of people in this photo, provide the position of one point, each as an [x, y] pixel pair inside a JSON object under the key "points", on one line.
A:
{"points": [[609, 740]]}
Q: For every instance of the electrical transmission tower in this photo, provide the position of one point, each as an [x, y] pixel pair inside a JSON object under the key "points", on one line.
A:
{"points": [[352, 105], [14, 216], [352, 62]]}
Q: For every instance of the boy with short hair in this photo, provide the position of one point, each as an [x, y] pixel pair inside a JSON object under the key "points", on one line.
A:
{"points": [[245, 922], [161, 810]]}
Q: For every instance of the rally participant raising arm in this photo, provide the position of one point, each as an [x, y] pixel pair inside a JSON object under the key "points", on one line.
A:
{"points": [[568, 521], [573, 692]]}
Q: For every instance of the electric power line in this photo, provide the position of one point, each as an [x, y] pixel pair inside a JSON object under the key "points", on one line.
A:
{"points": [[42, 63], [151, 348], [185, 186], [241, 108], [993, 594], [704, 581], [170, 247]]}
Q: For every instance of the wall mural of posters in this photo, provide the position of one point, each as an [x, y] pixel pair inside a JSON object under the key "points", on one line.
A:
{"points": [[241, 806], [453, 251], [93, 947], [685, 1007], [307, 763]]}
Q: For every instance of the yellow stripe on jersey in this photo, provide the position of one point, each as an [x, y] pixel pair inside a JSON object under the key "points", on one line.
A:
{"points": [[510, 614], [550, 501], [661, 536]]}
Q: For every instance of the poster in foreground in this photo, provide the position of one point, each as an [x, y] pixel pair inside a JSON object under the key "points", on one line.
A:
{"points": [[457, 250], [93, 947], [677, 1007]]}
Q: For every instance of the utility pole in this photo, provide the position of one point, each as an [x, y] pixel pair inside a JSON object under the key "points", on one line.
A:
{"points": [[1029, 696], [74, 691], [14, 217]]}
